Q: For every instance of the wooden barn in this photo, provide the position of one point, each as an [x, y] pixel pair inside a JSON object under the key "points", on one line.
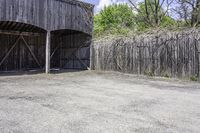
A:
{"points": [[45, 34]]}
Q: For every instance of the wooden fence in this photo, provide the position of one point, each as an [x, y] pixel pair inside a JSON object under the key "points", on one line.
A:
{"points": [[171, 54]]}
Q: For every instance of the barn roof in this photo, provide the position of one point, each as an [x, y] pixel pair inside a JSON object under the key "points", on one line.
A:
{"points": [[78, 2]]}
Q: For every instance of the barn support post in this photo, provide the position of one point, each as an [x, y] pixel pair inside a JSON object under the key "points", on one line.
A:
{"points": [[39, 44], [48, 58]]}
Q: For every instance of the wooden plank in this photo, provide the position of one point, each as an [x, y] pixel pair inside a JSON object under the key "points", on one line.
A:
{"points": [[57, 47], [175, 54], [17, 33], [30, 16], [48, 45], [8, 53], [48, 14], [31, 52]]}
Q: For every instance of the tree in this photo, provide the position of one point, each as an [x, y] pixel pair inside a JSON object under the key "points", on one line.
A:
{"points": [[152, 12], [144, 22], [114, 19], [189, 11]]}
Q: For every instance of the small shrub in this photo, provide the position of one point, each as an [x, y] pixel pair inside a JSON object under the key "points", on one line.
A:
{"points": [[166, 76], [149, 73], [194, 78]]}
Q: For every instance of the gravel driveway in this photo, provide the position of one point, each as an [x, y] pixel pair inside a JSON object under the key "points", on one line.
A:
{"points": [[97, 102]]}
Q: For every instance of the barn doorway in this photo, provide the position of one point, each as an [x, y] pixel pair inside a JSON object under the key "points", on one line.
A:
{"points": [[22, 47], [70, 50]]}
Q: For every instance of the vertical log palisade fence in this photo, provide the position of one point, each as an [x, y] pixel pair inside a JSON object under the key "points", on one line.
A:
{"points": [[171, 54]]}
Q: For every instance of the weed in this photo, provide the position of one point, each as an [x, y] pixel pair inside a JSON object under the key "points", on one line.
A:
{"points": [[194, 78]]}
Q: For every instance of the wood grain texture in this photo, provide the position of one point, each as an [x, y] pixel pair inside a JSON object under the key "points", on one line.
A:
{"points": [[69, 22], [173, 54], [49, 15], [72, 50], [20, 58]]}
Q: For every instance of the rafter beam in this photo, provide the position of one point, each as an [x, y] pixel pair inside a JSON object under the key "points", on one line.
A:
{"points": [[17, 33]]}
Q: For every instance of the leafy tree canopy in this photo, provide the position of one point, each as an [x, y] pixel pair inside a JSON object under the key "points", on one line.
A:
{"points": [[121, 19], [144, 23], [114, 19]]}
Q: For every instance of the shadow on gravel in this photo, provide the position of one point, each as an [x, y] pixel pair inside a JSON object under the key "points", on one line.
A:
{"points": [[59, 71], [34, 72], [18, 73]]}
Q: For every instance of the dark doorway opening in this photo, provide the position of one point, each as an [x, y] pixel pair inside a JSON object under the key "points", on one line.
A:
{"points": [[70, 50], [22, 47]]}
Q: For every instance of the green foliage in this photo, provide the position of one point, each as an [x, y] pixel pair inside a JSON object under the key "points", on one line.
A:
{"points": [[166, 21], [194, 78], [166, 76], [120, 19], [149, 73], [114, 19], [142, 25]]}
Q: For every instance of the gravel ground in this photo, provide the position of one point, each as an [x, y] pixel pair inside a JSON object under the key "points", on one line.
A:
{"points": [[97, 102]]}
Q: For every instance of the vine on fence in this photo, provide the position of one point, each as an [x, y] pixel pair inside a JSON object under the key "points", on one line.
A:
{"points": [[169, 54]]}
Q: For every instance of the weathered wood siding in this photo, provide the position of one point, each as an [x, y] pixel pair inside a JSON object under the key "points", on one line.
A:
{"points": [[167, 54], [48, 14], [72, 19], [20, 57]]}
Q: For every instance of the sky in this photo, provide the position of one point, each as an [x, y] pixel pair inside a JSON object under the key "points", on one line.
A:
{"points": [[99, 4]]}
